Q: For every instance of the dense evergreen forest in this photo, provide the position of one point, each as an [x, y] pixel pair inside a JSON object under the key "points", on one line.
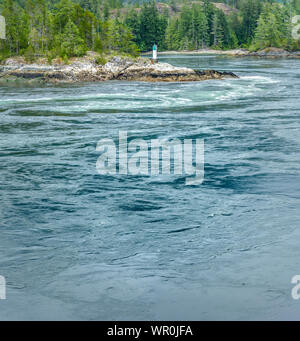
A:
{"points": [[69, 28]]}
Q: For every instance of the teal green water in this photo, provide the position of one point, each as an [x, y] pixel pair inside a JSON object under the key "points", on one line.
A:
{"points": [[77, 245]]}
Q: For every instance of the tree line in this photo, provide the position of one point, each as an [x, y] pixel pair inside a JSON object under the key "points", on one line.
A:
{"points": [[65, 29], [251, 24], [69, 28]]}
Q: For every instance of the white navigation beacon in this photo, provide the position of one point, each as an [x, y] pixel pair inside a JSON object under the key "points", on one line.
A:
{"points": [[154, 52]]}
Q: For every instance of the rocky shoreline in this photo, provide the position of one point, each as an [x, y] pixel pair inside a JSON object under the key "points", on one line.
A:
{"points": [[87, 70], [266, 53]]}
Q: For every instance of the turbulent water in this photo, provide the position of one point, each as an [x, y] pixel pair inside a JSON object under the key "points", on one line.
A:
{"points": [[78, 245]]}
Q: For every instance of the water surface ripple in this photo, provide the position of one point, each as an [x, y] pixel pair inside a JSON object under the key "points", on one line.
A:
{"points": [[77, 245]]}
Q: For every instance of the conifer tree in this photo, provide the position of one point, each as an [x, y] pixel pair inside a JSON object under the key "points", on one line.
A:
{"points": [[71, 43]]}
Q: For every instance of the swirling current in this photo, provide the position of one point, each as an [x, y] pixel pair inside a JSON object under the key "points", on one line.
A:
{"points": [[78, 245]]}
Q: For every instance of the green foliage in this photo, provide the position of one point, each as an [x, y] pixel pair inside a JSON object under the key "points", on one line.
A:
{"points": [[101, 60], [65, 29], [71, 44], [200, 27], [173, 37], [250, 11], [274, 28], [152, 27], [70, 28], [296, 5], [29, 54], [16, 28], [132, 21]]}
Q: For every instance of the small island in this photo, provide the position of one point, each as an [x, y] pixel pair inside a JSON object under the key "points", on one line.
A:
{"points": [[92, 69]]}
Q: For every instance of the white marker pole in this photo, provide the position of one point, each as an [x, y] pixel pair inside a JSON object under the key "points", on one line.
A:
{"points": [[155, 52]]}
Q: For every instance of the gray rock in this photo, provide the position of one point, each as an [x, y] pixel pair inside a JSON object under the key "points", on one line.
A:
{"points": [[116, 69]]}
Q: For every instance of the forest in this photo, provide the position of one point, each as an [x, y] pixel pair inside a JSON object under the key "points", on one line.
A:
{"points": [[70, 28]]}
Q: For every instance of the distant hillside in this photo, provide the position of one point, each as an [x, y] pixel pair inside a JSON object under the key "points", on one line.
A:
{"points": [[174, 9], [123, 5]]}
